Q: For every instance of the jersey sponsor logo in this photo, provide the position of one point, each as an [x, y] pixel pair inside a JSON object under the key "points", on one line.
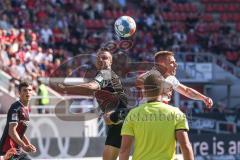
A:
{"points": [[99, 78], [107, 74]]}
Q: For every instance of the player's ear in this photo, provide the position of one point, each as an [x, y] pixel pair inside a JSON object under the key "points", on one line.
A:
{"points": [[111, 59]]}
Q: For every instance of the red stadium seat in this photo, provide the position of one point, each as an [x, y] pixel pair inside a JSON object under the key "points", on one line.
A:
{"points": [[204, 1], [130, 12], [238, 27], [183, 16], [207, 17], [193, 8], [108, 14], [213, 27], [171, 16], [174, 7], [220, 8], [232, 8], [181, 7], [209, 8], [224, 17]]}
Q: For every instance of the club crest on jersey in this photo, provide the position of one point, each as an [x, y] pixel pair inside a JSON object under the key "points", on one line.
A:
{"points": [[26, 123]]}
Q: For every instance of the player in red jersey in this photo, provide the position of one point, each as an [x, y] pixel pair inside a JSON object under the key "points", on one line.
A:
{"points": [[16, 126]]}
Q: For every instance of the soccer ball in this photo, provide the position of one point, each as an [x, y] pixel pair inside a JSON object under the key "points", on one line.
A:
{"points": [[125, 26]]}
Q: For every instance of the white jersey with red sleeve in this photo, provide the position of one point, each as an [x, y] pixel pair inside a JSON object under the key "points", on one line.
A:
{"points": [[170, 84]]}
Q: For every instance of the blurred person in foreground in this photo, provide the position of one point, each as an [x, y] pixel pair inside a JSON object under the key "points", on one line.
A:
{"points": [[165, 66], [107, 87], [16, 125], [154, 127], [10, 153]]}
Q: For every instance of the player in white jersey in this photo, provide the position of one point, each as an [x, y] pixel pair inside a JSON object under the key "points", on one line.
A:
{"points": [[165, 66]]}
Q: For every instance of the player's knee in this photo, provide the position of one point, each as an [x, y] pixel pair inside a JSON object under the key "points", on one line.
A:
{"points": [[110, 153]]}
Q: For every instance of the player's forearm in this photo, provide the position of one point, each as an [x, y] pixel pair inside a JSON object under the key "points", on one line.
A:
{"points": [[25, 140], [124, 154], [14, 135], [193, 94], [139, 83], [187, 151], [78, 90]]}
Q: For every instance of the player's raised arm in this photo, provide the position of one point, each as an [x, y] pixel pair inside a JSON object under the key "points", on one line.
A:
{"points": [[85, 89], [193, 94]]}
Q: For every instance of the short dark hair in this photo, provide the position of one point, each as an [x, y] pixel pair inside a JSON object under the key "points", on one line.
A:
{"points": [[153, 85], [23, 84], [104, 49], [162, 54]]}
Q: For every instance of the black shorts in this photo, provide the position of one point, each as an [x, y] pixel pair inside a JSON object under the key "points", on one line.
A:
{"points": [[20, 156], [114, 137]]}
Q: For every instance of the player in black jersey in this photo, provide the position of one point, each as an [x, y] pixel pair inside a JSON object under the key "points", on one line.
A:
{"points": [[16, 126], [105, 80]]}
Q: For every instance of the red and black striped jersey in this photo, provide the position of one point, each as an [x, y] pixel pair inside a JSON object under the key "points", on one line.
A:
{"points": [[108, 80], [19, 114]]}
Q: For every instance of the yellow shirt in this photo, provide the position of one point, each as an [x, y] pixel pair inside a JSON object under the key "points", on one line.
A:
{"points": [[153, 126]]}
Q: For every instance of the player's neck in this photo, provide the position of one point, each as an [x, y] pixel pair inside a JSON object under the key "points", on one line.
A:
{"points": [[161, 69], [24, 103], [154, 99]]}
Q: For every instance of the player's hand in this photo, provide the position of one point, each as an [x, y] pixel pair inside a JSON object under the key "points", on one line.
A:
{"points": [[208, 102], [139, 94], [28, 148], [61, 86], [107, 119], [10, 153], [33, 148]]}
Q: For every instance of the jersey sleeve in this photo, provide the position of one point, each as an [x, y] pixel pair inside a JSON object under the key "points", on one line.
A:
{"points": [[150, 72], [181, 121], [13, 115], [173, 81], [127, 128]]}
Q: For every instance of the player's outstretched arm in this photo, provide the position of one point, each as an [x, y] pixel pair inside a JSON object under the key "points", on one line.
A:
{"points": [[193, 94], [85, 89], [185, 145], [125, 149]]}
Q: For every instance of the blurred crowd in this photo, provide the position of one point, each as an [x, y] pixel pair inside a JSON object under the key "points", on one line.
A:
{"points": [[38, 36]]}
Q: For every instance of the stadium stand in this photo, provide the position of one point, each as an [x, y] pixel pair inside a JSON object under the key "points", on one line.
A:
{"points": [[53, 31], [39, 39]]}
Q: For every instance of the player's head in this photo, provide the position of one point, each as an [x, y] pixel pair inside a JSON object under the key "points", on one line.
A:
{"points": [[104, 59], [165, 61], [153, 86], [25, 90]]}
